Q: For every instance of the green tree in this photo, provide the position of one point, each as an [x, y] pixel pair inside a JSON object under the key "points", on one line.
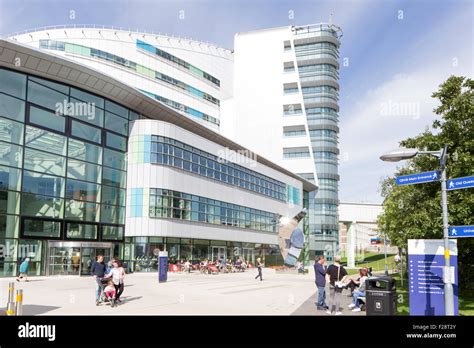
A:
{"points": [[414, 211]]}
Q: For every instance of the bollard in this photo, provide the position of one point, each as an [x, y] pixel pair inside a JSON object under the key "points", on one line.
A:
{"points": [[11, 308], [19, 302], [11, 291]]}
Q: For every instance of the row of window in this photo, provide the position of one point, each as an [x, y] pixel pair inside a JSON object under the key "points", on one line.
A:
{"points": [[179, 205], [319, 89], [92, 52], [60, 98], [37, 228], [317, 68], [37, 205], [177, 154], [294, 133], [321, 110], [183, 108], [147, 47]]}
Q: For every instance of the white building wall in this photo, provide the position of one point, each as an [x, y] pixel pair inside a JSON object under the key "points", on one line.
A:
{"points": [[147, 175], [214, 60], [258, 120]]}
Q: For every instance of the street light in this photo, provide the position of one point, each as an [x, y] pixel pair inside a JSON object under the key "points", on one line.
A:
{"points": [[404, 154]]}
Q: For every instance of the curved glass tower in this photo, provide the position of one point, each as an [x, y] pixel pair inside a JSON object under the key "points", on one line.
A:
{"points": [[316, 49]]}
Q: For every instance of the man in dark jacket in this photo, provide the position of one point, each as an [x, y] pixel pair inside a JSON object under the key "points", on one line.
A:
{"points": [[98, 271], [320, 273]]}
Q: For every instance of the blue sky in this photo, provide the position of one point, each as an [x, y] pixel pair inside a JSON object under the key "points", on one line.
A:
{"points": [[397, 53]]}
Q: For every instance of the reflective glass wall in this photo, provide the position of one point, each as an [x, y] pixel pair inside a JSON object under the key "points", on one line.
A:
{"points": [[62, 167]]}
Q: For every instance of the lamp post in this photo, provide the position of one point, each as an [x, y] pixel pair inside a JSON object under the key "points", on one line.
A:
{"points": [[404, 154]]}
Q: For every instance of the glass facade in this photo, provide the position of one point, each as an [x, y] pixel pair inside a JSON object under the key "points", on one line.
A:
{"points": [[62, 170], [141, 252], [167, 151], [320, 95], [178, 205]]}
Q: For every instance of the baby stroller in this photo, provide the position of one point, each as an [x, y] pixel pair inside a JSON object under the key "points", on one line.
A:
{"points": [[103, 283]]}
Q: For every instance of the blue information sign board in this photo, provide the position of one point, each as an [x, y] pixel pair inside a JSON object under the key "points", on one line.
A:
{"points": [[461, 231], [425, 273], [163, 266], [460, 183], [418, 178]]}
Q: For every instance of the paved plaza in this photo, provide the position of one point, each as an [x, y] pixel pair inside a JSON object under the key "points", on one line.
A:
{"points": [[182, 294]]}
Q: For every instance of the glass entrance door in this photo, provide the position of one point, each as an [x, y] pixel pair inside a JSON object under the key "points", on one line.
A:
{"points": [[89, 255], [248, 255], [64, 260], [218, 253]]}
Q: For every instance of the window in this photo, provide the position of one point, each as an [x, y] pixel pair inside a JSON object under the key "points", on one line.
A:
{"points": [[82, 191], [44, 162], [79, 210], [112, 214], [10, 154], [12, 108], [9, 202], [41, 206], [47, 119], [44, 140], [53, 85], [46, 97], [10, 178], [9, 226], [86, 112], [81, 231], [116, 109], [116, 124], [113, 195], [84, 151], [114, 159], [42, 184], [87, 97], [41, 228], [13, 83], [114, 177], [112, 232], [116, 141], [83, 171], [11, 131], [86, 132]]}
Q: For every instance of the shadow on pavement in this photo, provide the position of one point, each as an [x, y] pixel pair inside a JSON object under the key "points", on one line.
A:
{"points": [[37, 309]]}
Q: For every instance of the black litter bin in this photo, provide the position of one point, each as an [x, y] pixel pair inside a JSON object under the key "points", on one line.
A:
{"points": [[380, 296]]}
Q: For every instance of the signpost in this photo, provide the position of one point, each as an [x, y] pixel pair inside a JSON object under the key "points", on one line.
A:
{"points": [[419, 178], [426, 276], [461, 183], [461, 231], [162, 266]]}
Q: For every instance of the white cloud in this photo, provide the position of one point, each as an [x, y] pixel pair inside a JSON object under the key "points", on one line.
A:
{"points": [[399, 108]]}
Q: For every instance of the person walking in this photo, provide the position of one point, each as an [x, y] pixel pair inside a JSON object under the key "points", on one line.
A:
{"points": [[337, 275], [98, 272], [24, 266], [320, 274], [118, 275], [259, 268]]}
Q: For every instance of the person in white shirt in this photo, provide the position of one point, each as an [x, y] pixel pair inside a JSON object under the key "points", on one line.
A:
{"points": [[117, 273]]}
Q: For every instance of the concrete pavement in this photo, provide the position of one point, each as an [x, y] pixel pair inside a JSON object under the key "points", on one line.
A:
{"points": [[183, 294]]}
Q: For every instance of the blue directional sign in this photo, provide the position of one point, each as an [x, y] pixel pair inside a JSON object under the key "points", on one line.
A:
{"points": [[460, 183], [461, 231], [418, 178]]}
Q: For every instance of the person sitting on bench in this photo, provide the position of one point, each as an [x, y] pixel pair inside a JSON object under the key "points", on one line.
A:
{"points": [[360, 292]]}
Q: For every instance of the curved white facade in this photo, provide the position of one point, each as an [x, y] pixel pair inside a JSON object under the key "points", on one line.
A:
{"points": [[148, 175], [136, 59]]}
